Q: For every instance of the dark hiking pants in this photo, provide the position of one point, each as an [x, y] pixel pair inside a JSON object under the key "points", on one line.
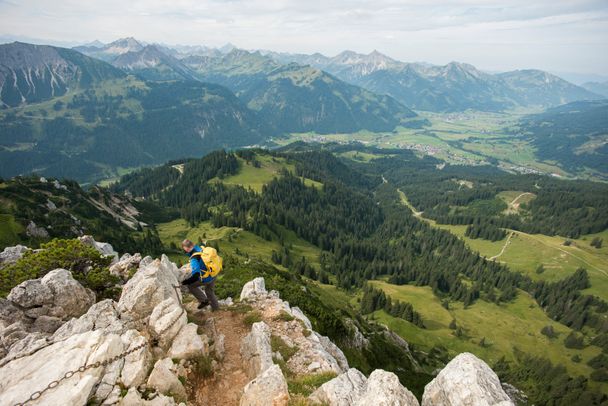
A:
{"points": [[207, 295]]}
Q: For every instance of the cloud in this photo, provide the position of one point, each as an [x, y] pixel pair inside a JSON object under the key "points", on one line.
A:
{"points": [[549, 34]]}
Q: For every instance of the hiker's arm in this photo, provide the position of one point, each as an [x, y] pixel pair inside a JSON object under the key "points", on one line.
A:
{"points": [[191, 279], [195, 266]]}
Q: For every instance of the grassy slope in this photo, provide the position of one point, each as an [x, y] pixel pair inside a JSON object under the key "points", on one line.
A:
{"points": [[231, 238], [255, 178], [515, 324], [504, 327], [526, 252]]}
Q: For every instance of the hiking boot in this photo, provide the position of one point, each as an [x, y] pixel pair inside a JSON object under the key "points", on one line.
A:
{"points": [[203, 304]]}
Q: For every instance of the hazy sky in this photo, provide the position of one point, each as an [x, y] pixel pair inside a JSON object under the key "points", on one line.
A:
{"points": [[556, 35]]}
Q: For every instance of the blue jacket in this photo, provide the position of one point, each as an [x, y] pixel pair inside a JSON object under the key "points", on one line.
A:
{"points": [[198, 266]]}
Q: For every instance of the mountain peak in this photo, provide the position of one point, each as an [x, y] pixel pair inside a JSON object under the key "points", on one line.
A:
{"points": [[122, 46]]}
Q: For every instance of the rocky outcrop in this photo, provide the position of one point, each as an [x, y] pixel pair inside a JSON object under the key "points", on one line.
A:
{"points": [[188, 344], [36, 308], [466, 381], [102, 247], [267, 389], [253, 289], [256, 351], [126, 265], [25, 375], [343, 390], [10, 255], [165, 380], [32, 230], [74, 331], [57, 294], [382, 388]]}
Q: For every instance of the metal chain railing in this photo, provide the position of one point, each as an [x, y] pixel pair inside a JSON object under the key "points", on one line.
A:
{"points": [[37, 394]]}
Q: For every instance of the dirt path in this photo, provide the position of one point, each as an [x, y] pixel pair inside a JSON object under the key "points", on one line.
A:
{"points": [[512, 204], [225, 387], [504, 247]]}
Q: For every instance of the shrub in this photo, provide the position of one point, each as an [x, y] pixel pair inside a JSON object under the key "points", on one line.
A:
{"points": [[600, 375], [84, 262], [252, 317], [307, 384], [203, 366], [574, 341], [548, 331], [278, 345], [284, 316]]}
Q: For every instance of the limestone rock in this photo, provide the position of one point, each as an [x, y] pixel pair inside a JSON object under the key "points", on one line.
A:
{"points": [[102, 247], [133, 398], [268, 389], [145, 290], [188, 344], [10, 255], [334, 351], [138, 363], [165, 381], [256, 350], [298, 314], [32, 230], [62, 295], [23, 376], [101, 316], [384, 389], [253, 289], [357, 339], [27, 344], [343, 390], [127, 263], [466, 381], [47, 324], [166, 320], [31, 293]]}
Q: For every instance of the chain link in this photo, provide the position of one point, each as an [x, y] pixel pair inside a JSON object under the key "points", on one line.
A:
{"points": [[83, 368]]}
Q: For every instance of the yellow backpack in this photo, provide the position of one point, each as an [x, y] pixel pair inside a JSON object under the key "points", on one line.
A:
{"points": [[212, 261]]}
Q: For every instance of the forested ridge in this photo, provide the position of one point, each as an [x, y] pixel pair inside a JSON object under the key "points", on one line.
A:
{"points": [[358, 220]]}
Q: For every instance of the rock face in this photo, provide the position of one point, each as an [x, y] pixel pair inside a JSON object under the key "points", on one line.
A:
{"points": [[51, 326], [102, 247], [268, 389], [253, 289], [36, 308], [126, 264], [165, 380], [10, 255], [352, 388], [384, 389], [466, 381], [256, 350], [23, 376], [343, 390]]}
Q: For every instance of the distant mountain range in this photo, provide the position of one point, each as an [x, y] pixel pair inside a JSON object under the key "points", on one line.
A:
{"points": [[33, 73], [68, 114], [597, 87], [131, 104], [299, 98], [574, 134], [453, 87]]}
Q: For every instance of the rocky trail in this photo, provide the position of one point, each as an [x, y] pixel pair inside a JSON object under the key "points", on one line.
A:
{"points": [[224, 387], [60, 346]]}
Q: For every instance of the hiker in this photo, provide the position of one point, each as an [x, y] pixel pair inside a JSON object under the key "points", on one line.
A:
{"points": [[200, 277]]}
